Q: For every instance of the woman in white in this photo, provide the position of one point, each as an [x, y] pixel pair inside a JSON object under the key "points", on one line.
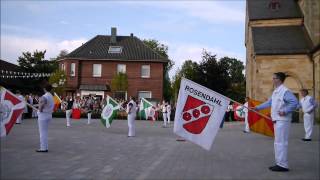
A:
{"points": [[131, 111], [164, 113], [168, 113], [46, 106]]}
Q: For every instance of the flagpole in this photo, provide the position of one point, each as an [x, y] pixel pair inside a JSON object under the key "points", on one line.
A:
{"points": [[31, 106], [233, 101]]}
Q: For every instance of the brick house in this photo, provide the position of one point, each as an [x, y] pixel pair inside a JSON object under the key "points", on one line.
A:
{"points": [[91, 67]]}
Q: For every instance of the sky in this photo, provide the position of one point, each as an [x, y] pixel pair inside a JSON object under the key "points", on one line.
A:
{"points": [[186, 27]]}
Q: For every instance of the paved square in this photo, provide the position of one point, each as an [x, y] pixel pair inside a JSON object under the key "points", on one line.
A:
{"points": [[94, 152]]}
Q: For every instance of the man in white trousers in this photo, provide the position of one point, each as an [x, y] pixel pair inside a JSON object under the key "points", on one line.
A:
{"points": [[89, 107], [307, 103], [69, 106], [282, 103], [164, 113], [46, 106], [131, 111], [245, 110], [168, 112]]}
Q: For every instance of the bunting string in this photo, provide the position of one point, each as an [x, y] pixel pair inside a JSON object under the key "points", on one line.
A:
{"points": [[14, 74]]}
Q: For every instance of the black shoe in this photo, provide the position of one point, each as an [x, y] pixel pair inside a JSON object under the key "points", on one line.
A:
{"points": [[278, 168], [304, 139], [44, 151], [245, 131], [18, 123]]}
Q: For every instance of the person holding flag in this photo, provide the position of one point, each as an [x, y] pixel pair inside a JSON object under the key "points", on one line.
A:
{"points": [[46, 106], [282, 103], [131, 111]]}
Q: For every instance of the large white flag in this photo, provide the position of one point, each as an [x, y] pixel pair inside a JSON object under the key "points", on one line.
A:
{"points": [[11, 107], [199, 113]]}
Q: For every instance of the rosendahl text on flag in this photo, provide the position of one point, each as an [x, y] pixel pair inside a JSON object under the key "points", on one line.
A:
{"points": [[199, 112]]}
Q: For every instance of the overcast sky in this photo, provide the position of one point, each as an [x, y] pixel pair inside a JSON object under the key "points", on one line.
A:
{"points": [[186, 27]]}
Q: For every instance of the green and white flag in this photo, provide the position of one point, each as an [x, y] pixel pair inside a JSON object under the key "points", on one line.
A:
{"points": [[146, 110], [109, 112]]}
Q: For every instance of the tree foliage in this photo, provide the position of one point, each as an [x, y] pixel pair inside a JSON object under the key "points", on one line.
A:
{"points": [[119, 82], [223, 76], [35, 62], [162, 50], [58, 80]]}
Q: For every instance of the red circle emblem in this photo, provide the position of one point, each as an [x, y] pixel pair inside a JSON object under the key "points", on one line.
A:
{"points": [[205, 109], [187, 116], [196, 113]]}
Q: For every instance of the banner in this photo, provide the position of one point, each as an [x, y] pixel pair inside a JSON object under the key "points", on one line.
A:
{"points": [[109, 112], [238, 112], [199, 113], [147, 110], [11, 107], [258, 123]]}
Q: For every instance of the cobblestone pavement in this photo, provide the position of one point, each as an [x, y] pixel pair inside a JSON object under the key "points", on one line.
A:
{"points": [[94, 152]]}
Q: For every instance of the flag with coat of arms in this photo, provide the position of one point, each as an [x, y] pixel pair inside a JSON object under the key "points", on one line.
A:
{"points": [[199, 112], [109, 112], [147, 110], [11, 107], [239, 112]]}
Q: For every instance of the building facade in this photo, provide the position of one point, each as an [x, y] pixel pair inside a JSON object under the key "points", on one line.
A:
{"points": [[91, 68], [282, 35]]}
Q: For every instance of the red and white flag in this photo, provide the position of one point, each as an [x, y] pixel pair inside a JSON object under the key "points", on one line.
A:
{"points": [[199, 113], [11, 107]]}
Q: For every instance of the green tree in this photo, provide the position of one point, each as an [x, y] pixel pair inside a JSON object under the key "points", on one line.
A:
{"points": [[62, 54], [162, 50], [188, 70], [58, 80], [223, 76], [119, 82], [34, 62]]}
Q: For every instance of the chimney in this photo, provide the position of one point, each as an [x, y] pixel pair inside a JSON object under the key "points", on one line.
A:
{"points": [[113, 38], [131, 34]]}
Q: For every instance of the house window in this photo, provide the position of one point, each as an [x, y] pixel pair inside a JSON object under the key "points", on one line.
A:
{"points": [[120, 95], [115, 49], [144, 94], [96, 71], [63, 68], [73, 69], [121, 68], [145, 71]]}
